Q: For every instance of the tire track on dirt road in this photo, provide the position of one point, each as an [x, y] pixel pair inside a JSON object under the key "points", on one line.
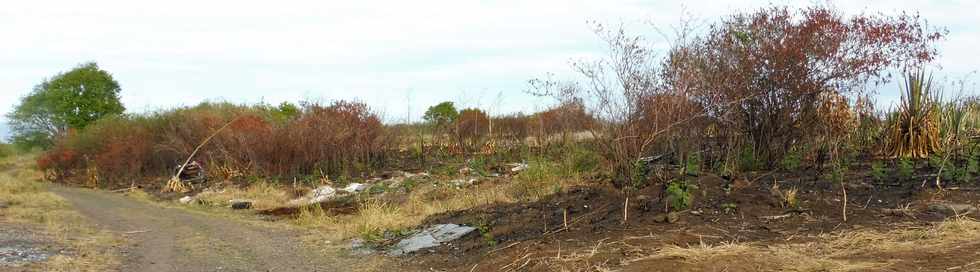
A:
{"points": [[170, 239]]}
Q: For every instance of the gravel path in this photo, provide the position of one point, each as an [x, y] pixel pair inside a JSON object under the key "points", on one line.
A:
{"points": [[170, 239], [19, 247]]}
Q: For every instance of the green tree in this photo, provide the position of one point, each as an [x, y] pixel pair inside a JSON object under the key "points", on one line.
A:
{"points": [[69, 100], [442, 114]]}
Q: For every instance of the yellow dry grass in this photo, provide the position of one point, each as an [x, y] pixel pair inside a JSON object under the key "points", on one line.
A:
{"points": [[264, 195], [829, 252], [376, 216], [30, 203]]}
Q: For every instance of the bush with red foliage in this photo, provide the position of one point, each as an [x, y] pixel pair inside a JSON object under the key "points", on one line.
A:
{"points": [[763, 74], [343, 138], [472, 128]]}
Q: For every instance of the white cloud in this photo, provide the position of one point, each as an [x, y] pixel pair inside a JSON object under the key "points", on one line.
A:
{"points": [[184, 51]]}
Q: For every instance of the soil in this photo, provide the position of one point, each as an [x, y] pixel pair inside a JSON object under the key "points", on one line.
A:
{"points": [[171, 239], [523, 236]]}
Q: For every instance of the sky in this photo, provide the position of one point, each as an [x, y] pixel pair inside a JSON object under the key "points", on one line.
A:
{"points": [[397, 56]]}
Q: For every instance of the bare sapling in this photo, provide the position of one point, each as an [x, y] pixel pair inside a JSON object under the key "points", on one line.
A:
{"points": [[175, 184]]}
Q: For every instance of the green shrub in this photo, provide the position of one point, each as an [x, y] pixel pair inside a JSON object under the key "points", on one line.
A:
{"points": [[584, 160], [692, 165], [748, 160], [680, 194], [906, 168], [877, 171], [792, 161], [972, 166], [837, 173]]}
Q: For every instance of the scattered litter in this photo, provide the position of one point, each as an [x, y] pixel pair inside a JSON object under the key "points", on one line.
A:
{"points": [[18, 255], [430, 237], [419, 175], [517, 167], [320, 194], [355, 187], [776, 217], [459, 183]]}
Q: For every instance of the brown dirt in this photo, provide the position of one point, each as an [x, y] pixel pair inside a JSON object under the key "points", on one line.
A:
{"points": [[171, 239], [531, 236]]}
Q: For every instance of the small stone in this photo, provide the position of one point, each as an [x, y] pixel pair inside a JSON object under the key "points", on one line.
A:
{"points": [[238, 204], [185, 200], [4, 205]]}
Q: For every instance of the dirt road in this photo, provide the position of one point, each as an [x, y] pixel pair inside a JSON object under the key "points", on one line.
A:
{"points": [[171, 239]]}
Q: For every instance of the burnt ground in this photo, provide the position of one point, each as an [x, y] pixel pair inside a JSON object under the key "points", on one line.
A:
{"points": [[522, 236]]}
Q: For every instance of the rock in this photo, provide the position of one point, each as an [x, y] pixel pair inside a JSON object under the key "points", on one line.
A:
{"points": [[950, 209], [4, 205], [240, 204], [430, 237], [185, 200], [355, 187], [670, 217]]}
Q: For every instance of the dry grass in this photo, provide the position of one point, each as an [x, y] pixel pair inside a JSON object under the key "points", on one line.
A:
{"points": [[375, 216], [845, 251], [31, 204], [264, 195]]}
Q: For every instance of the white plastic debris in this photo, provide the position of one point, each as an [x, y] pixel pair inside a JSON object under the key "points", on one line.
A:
{"points": [[517, 167], [430, 237], [320, 194], [355, 187]]}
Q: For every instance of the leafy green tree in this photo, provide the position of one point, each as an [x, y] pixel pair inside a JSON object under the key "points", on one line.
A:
{"points": [[69, 100], [285, 112], [442, 114]]}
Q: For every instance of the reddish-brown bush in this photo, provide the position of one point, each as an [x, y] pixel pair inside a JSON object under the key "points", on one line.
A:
{"points": [[764, 74], [472, 128], [344, 138]]}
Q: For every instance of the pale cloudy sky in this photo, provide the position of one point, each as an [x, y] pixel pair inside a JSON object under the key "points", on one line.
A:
{"points": [[398, 56]]}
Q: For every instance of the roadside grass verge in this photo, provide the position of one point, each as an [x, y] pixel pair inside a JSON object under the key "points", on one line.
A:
{"points": [[31, 203]]}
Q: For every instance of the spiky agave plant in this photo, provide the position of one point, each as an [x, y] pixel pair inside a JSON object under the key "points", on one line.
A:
{"points": [[913, 132]]}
